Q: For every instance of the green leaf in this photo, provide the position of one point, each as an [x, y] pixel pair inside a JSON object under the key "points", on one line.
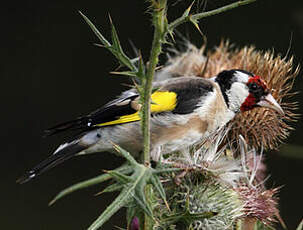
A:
{"points": [[115, 38], [84, 184], [169, 32], [118, 48], [142, 176], [132, 189], [300, 226], [126, 155], [112, 188], [122, 199], [159, 188], [187, 11], [196, 24], [141, 68], [123, 179], [141, 201], [81, 185], [114, 48], [96, 31], [125, 73]]}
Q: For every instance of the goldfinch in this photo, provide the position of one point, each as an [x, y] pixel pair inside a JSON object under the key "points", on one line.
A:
{"points": [[185, 110]]}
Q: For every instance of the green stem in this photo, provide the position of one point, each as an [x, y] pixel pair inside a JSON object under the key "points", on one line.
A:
{"points": [[159, 15], [199, 16], [148, 222]]}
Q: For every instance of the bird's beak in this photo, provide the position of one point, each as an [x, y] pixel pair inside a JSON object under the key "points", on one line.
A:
{"points": [[269, 102]]}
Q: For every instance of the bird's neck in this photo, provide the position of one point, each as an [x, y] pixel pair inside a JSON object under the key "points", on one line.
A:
{"points": [[222, 114], [234, 94]]}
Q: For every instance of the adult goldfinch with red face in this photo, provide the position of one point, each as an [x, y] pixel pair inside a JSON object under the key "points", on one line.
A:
{"points": [[185, 110]]}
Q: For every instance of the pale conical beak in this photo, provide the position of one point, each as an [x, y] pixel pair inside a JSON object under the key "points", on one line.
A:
{"points": [[269, 102]]}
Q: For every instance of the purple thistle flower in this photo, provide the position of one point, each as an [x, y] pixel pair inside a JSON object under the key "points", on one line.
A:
{"points": [[135, 224], [259, 203]]}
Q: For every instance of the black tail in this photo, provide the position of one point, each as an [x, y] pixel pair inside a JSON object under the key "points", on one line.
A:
{"points": [[80, 123], [63, 153]]}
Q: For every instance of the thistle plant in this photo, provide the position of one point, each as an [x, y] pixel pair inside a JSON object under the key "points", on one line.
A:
{"points": [[218, 183]]}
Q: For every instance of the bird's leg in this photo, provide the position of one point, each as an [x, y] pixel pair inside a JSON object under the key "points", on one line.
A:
{"points": [[156, 154]]}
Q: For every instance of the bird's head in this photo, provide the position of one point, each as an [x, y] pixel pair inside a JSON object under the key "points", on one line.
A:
{"points": [[244, 91]]}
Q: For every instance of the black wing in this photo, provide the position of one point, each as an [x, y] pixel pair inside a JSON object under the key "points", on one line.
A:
{"points": [[112, 110], [190, 92]]}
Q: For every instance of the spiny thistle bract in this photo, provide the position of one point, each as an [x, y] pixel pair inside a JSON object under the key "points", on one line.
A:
{"points": [[260, 127], [203, 197], [216, 191]]}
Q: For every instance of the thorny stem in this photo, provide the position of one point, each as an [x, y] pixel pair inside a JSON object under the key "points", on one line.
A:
{"points": [[159, 17], [196, 17], [148, 222]]}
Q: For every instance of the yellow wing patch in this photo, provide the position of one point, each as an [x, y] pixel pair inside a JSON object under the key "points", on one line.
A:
{"points": [[123, 119], [161, 102]]}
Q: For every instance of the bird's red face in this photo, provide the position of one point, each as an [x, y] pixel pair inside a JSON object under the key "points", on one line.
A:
{"points": [[259, 95], [244, 91]]}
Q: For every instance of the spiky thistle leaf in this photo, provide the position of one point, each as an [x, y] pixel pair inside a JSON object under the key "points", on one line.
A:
{"points": [[115, 48], [132, 189], [126, 169], [300, 226]]}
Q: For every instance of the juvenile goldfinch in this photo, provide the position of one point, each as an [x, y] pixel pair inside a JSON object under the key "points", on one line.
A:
{"points": [[184, 111]]}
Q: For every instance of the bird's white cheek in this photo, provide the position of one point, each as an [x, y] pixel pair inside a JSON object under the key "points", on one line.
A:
{"points": [[237, 95], [241, 77]]}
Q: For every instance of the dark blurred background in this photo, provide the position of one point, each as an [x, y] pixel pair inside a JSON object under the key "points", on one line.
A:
{"points": [[50, 72]]}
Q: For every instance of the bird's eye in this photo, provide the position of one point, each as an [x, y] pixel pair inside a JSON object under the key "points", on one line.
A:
{"points": [[253, 86]]}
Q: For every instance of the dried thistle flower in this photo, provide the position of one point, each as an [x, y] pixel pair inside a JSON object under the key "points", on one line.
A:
{"points": [[256, 166], [259, 204], [231, 188], [260, 127], [204, 197], [252, 164]]}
